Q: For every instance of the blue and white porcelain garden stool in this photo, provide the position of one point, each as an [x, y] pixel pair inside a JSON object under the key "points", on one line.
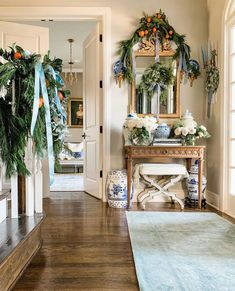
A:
{"points": [[159, 178], [117, 188]]}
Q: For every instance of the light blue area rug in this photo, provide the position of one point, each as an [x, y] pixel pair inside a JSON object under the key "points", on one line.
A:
{"points": [[182, 251]]}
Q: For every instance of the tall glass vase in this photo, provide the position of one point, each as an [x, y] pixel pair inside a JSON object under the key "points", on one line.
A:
{"points": [[141, 138]]}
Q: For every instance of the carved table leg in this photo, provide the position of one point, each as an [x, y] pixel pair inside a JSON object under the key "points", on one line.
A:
{"points": [[200, 173], [189, 163], [129, 180]]}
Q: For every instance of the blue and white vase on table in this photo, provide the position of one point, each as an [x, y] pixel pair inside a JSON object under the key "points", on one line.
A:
{"points": [[163, 131]]}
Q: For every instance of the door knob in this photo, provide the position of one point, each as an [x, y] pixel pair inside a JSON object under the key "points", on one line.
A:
{"points": [[84, 135]]}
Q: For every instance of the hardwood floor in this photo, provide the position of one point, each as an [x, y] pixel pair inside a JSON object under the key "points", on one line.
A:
{"points": [[86, 246]]}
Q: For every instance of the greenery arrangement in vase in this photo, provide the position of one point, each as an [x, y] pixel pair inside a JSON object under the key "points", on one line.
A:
{"points": [[141, 129], [189, 135]]}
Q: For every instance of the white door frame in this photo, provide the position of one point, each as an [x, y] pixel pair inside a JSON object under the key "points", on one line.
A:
{"points": [[102, 14]]}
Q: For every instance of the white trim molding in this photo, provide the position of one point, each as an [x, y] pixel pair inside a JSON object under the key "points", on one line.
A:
{"points": [[213, 199], [227, 16], [102, 14]]}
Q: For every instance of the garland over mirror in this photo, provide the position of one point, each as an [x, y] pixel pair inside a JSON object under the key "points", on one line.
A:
{"points": [[170, 63]]}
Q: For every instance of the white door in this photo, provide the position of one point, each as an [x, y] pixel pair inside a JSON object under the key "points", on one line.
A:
{"points": [[32, 38], [36, 40], [92, 100]]}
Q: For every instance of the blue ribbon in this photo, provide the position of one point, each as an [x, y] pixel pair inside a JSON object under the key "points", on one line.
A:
{"points": [[41, 81], [36, 97], [133, 63], [58, 79], [157, 90], [210, 97], [157, 49]]}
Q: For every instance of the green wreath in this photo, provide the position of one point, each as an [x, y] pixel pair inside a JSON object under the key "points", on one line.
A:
{"points": [[155, 75], [153, 26], [17, 75]]}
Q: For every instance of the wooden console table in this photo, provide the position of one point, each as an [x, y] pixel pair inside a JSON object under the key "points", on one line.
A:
{"points": [[175, 152]]}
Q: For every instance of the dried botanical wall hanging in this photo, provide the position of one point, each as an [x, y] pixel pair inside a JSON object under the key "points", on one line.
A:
{"points": [[33, 104], [212, 76]]}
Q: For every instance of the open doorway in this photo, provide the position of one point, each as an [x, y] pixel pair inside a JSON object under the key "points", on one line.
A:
{"points": [[81, 72], [102, 14]]}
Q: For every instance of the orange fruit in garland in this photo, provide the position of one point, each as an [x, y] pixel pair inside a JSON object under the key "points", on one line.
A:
{"points": [[41, 101], [47, 83], [60, 95], [17, 55], [171, 32], [141, 33], [146, 32], [154, 29], [167, 36], [149, 19]]}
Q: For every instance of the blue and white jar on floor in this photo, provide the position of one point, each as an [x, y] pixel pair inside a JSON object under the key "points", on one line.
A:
{"points": [[117, 189], [192, 183]]}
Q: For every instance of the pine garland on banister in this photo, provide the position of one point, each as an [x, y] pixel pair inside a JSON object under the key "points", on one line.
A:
{"points": [[17, 93], [153, 26]]}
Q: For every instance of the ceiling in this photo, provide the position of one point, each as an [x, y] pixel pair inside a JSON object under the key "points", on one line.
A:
{"points": [[60, 32]]}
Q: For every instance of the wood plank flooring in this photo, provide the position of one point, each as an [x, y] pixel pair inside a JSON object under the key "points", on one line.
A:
{"points": [[86, 246]]}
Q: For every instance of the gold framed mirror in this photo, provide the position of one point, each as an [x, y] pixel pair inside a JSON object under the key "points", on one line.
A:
{"points": [[170, 102]]}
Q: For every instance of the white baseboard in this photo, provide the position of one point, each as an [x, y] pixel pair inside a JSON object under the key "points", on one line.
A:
{"points": [[213, 199]]}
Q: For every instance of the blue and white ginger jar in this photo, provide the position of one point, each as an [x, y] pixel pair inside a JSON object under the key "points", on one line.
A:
{"points": [[192, 183], [163, 131], [117, 189]]}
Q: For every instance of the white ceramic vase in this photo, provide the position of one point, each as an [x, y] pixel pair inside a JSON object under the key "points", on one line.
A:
{"points": [[187, 120]]}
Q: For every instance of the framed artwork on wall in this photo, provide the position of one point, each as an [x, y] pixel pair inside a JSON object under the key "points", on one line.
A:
{"points": [[75, 112]]}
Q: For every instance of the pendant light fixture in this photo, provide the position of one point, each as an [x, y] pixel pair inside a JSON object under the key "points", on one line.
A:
{"points": [[71, 77]]}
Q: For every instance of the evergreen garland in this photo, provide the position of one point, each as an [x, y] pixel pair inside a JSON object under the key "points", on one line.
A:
{"points": [[17, 75], [153, 26]]}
